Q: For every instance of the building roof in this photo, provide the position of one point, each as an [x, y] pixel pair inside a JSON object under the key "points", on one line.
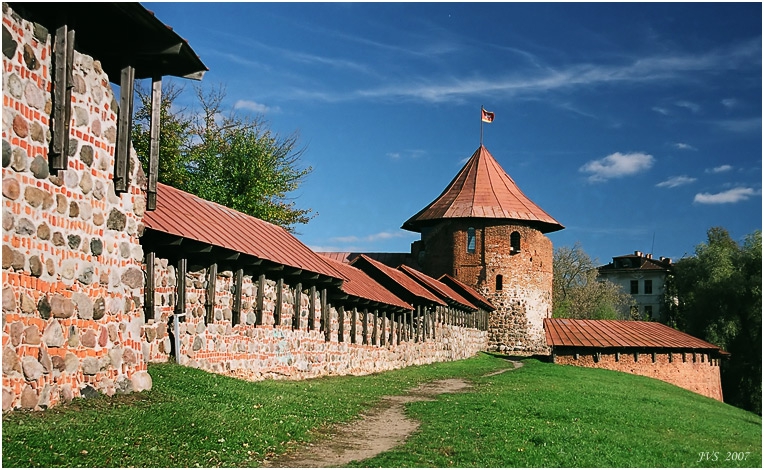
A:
{"points": [[117, 34], [358, 284], [395, 277], [475, 297], [637, 262], [619, 334], [482, 189], [184, 215], [390, 259], [438, 288]]}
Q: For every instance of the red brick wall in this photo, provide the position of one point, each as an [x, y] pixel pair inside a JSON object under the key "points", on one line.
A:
{"points": [[72, 280], [697, 373]]}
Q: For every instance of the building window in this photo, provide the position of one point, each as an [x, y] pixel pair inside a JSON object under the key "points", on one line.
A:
{"points": [[648, 286], [634, 287], [514, 242], [648, 312], [499, 282], [471, 240]]}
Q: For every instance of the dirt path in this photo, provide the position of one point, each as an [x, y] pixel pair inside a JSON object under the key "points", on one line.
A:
{"points": [[381, 429]]}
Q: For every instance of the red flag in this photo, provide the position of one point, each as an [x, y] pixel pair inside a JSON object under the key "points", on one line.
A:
{"points": [[487, 116]]}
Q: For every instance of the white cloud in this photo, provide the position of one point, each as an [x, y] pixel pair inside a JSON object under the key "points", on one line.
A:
{"points": [[719, 169], [369, 238], [730, 196], [675, 181], [617, 165], [663, 111], [683, 146], [729, 102], [255, 107], [688, 105], [741, 125]]}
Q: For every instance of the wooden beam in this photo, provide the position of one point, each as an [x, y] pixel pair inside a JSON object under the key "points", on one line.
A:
{"points": [[156, 112], [326, 324], [212, 276], [353, 326], [124, 127], [260, 299], [63, 61], [279, 302], [341, 326], [180, 288], [148, 312], [297, 306], [312, 308], [365, 325], [236, 313]]}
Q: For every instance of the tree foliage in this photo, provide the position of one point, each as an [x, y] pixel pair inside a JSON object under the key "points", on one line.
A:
{"points": [[234, 160], [577, 293], [716, 295]]}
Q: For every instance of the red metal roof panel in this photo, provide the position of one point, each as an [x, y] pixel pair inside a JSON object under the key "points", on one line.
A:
{"points": [[358, 284], [437, 287], [185, 215], [475, 296], [401, 279]]}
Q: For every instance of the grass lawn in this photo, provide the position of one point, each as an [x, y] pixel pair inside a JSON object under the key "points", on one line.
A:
{"points": [[541, 415]]}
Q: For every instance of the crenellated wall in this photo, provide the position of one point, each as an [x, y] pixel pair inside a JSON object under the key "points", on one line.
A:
{"points": [[72, 279], [268, 350]]}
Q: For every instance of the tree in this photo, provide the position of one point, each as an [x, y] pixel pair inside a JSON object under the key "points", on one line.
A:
{"points": [[236, 161], [576, 292], [716, 295]]}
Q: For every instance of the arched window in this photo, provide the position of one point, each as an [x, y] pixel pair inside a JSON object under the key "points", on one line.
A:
{"points": [[471, 240], [514, 242], [499, 282]]}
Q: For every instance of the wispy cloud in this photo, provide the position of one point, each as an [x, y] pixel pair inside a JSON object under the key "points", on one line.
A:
{"points": [[660, 110], [675, 181], [369, 238], [730, 196], [694, 107], [729, 102], [719, 169], [256, 107], [741, 125], [683, 146], [413, 154], [617, 165]]}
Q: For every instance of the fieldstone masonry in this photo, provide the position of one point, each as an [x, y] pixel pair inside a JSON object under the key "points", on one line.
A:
{"points": [[72, 281]]}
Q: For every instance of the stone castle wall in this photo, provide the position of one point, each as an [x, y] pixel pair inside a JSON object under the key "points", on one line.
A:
{"points": [[695, 372], [525, 296], [256, 352], [72, 280]]}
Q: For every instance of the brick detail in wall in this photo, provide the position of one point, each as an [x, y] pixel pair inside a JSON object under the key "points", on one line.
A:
{"points": [[271, 351], [699, 374], [72, 280]]}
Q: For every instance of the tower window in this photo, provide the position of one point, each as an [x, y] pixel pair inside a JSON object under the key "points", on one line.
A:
{"points": [[471, 240], [499, 282], [514, 242]]}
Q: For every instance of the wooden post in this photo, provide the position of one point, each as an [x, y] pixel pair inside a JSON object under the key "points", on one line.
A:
{"points": [[260, 299], [212, 276], [156, 112], [148, 312], [341, 325], [365, 325], [354, 326], [297, 306], [63, 62], [124, 127], [404, 327], [375, 328], [236, 313], [279, 301], [312, 308], [326, 321], [383, 338], [180, 288]]}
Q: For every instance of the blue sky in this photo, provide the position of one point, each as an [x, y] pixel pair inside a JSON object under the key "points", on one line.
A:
{"points": [[636, 126]]}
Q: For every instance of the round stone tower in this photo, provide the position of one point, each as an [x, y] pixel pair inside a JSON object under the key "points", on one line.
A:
{"points": [[485, 232]]}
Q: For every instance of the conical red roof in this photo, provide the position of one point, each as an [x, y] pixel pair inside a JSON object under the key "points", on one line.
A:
{"points": [[482, 189]]}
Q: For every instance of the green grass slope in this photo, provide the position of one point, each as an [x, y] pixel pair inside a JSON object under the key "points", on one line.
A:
{"points": [[541, 415]]}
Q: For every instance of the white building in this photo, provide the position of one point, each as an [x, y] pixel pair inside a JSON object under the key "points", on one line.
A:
{"points": [[641, 276]]}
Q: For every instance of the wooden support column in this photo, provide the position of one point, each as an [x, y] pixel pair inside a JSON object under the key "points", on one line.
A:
{"points": [[156, 108], [209, 304], [383, 337], [404, 326], [238, 281], [124, 127], [297, 306], [63, 61], [354, 326], [326, 320], [365, 325], [341, 324], [279, 302], [148, 312], [418, 327], [260, 299], [375, 328], [312, 308], [180, 288]]}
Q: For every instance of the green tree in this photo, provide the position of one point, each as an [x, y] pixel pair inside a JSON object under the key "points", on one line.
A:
{"points": [[234, 160], [716, 295], [577, 293]]}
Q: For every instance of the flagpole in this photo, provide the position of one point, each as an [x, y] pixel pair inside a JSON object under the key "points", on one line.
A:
{"points": [[481, 125]]}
